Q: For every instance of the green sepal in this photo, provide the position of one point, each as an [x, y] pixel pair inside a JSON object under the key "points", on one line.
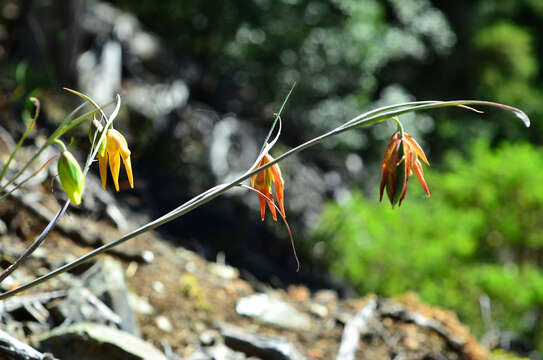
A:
{"points": [[269, 179], [400, 175], [102, 149]]}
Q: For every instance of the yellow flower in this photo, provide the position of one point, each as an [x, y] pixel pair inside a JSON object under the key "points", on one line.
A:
{"points": [[262, 182], [116, 148], [401, 159]]}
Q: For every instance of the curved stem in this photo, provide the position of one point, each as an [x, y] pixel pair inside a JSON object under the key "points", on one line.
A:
{"points": [[35, 244], [399, 125], [61, 144]]}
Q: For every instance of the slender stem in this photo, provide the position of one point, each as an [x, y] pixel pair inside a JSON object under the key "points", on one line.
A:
{"points": [[366, 119], [15, 187], [399, 125], [61, 144], [277, 118], [35, 244], [284, 220]]}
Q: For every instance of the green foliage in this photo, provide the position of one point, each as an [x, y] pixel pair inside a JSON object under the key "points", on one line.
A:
{"points": [[334, 50], [502, 355], [508, 65], [480, 234]]}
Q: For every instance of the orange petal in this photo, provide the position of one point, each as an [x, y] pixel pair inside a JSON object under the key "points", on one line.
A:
{"points": [[102, 162], [262, 201], [382, 187], [279, 187], [280, 198], [420, 175], [415, 145], [389, 150], [272, 209]]}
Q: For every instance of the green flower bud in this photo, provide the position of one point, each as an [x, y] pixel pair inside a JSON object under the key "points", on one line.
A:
{"points": [[71, 177]]}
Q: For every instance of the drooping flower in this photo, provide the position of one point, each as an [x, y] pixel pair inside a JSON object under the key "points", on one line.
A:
{"points": [[402, 158], [71, 177], [262, 182], [116, 148]]}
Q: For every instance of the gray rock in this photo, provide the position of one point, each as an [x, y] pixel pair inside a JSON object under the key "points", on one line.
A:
{"points": [[107, 282], [273, 311], [88, 341], [219, 352], [263, 347], [13, 349], [3, 228], [140, 305]]}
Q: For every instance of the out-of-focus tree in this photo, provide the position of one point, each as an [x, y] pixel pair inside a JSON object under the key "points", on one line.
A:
{"points": [[475, 246]]}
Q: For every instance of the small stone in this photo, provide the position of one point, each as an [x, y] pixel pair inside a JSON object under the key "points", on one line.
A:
{"points": [[209, 338], [318, 309], [273, 311], [140, 305], [299, 292], [148, 256], [163, 323], [224, 271], [326, 296], [158, 287], [190, 267]]}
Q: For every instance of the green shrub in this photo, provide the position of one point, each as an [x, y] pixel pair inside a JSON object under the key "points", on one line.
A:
{"points": [[481, 233]]}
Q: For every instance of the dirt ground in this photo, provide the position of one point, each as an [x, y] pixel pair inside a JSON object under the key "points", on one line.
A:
{"points": [[196, 297]]}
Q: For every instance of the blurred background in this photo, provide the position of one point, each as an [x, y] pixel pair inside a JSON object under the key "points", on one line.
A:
{"points": [[201, 80]]}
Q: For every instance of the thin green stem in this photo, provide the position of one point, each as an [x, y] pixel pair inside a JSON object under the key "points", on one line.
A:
{"points": [[61, 144], [35, 244], [399, 125], [277, 118], [15, 187]]}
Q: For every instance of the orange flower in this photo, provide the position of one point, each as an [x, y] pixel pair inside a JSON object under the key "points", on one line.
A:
{"points": [[116, 148], [262, 182], [401, 158]]}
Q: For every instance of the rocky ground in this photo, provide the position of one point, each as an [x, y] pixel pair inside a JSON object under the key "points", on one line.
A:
{"points": [[151, 300]]}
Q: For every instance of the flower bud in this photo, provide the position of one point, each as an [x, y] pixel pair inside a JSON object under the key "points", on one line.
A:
{"points": [[71, 177]]}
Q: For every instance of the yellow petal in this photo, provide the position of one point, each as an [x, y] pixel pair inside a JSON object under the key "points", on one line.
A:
{"points": [[128, 166], [115, 165], [102, 162]]}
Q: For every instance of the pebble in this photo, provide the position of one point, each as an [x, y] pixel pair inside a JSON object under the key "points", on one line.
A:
{"points": [[158, 287], [273, 311], [163, 323]]}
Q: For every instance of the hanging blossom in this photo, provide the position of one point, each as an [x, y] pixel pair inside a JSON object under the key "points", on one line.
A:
{"points": [[402, 158], [115, 148], [262, 182]]}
